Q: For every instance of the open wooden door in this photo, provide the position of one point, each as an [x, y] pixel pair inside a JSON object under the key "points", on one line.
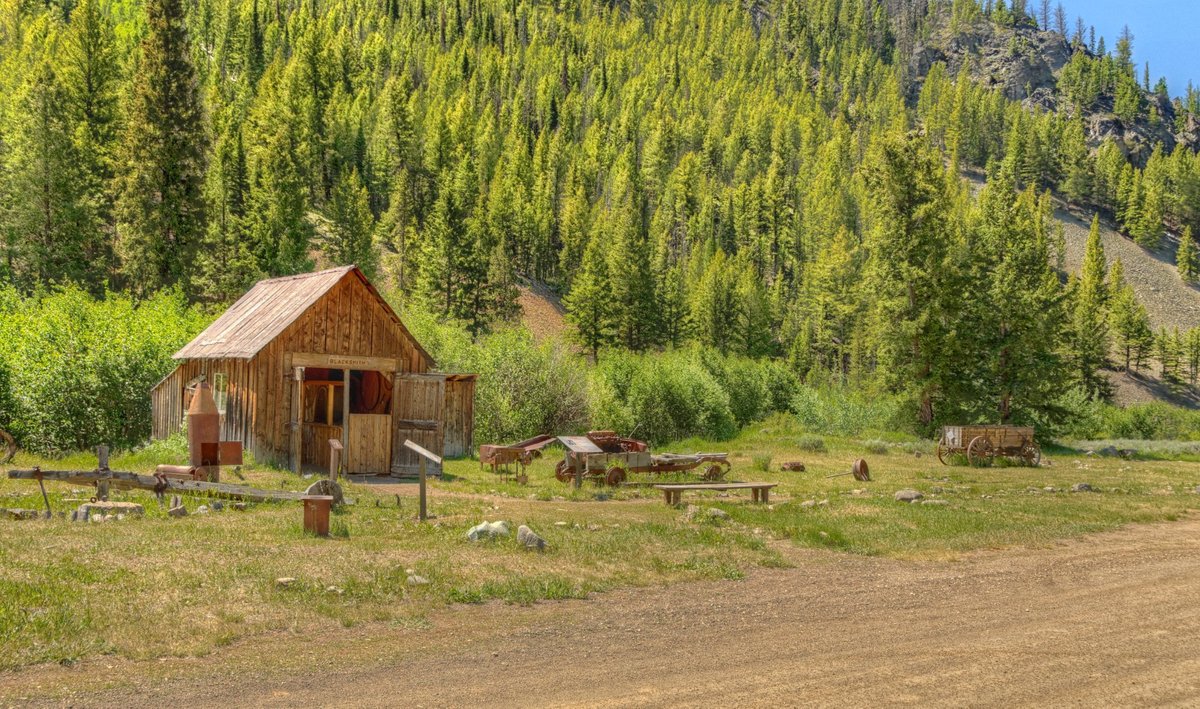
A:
{"points": [[417, 407]]}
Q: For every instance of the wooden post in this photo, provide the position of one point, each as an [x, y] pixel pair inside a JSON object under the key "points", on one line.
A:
{"points": [[101, 464], [335, 455], [346, 420], [423, 455], [421, 514], [297, 424]]}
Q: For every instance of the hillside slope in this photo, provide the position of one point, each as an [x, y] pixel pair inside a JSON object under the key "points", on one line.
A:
{"points": [[1169, 301]]}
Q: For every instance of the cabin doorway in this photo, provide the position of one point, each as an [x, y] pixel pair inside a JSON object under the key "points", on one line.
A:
{"points": [[349, 405]]}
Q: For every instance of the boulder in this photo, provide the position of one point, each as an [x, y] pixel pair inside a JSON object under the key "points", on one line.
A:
{"points": [[1081, 487], [488, 530], [529, 539], [908, 495]]}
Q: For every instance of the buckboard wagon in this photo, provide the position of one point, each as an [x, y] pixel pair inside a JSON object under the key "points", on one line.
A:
{"points": [[983, 443], [606, 457]]}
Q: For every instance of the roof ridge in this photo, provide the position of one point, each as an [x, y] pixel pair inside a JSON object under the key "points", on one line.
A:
{"points": [[300, 276]]}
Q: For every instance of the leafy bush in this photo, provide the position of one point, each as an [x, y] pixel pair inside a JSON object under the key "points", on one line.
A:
{"points": [[812, 444], [840, 411], [78, 370], [762, 463], [875, 447]]}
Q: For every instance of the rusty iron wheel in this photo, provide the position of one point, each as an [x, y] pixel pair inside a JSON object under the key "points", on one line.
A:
{"points": [[941, 453], [861, 471], [979, 451], [1032, 454], [9, 447], [614, 476], [563, 472]]}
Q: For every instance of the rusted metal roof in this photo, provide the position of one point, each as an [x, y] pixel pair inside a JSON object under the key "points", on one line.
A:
{"points": [[266, 310]]}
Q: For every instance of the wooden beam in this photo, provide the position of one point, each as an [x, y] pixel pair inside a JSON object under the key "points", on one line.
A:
{"points": [[346, 420], [422, 452], [125, 480], [334, 361]]}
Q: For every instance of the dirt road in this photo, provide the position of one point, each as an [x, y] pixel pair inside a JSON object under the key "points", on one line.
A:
{"points": [[1112, 619]]}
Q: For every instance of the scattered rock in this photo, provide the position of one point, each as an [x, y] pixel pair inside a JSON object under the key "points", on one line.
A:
{"points": [[936, 489], [241, 506], [529, 539], [1109, 451], [908, 495], [792, 467], [1081, 487], [807, 504], [938, 503], [328, 487], [202, 510], [218, 506], [558, 524], [180, 511], [1050, 489], [488, 530], [334, 590], [715, 513], [104, 508], [823, 503], [284, 582], [19, 514], [417, 580], [1197, 490]]}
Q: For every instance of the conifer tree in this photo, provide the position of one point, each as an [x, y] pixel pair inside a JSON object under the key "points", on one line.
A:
{"points": [[49, 209], [907, 268], [1090, 322], [160, 203], [352, 226], [589, 309], [1185, 258]]}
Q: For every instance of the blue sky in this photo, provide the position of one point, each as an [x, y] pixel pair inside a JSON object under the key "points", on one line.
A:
{"points": [[1166, 33]]}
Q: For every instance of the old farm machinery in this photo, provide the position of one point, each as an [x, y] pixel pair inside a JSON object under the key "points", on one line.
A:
{"points": [[511, 460], [981, 444], [608, 458]]}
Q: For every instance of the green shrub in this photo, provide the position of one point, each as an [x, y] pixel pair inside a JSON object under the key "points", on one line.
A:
{"points": [[812, 444], [836, 410], [79, 370], [762, 463], [875, 447]]}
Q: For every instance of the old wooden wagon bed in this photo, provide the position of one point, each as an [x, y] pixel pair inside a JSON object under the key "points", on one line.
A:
{"points": [[981, 444]]}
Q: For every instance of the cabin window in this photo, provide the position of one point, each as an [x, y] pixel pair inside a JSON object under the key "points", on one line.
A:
{"points": [[220, 391]]}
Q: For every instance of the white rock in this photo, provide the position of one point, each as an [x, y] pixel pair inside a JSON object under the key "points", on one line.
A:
{"points": [[908, 495], [488, 530], [529, 539], [415, 580]]}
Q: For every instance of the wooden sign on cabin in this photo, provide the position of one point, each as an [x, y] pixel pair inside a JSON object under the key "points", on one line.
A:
{"points": [[303, 359]]}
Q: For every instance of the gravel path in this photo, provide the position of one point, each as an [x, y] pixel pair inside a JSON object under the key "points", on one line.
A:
{"points": [[1111, 619]]}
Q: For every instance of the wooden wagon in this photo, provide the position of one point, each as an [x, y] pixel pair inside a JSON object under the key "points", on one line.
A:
{"points": [[604, 456], [983, 443]]}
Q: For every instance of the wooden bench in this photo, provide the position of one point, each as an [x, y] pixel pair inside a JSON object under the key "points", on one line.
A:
{"points": [[760, 492]]}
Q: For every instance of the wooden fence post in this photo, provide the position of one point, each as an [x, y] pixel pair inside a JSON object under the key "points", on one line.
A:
{"points": [[335, 458], [423, 455], [102, 464]]}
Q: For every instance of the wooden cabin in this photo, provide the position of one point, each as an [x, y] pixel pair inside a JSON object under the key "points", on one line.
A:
{"points": [[300, 360]]}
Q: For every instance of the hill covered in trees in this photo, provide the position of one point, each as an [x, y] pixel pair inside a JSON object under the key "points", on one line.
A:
{"points": [[763, 178]]}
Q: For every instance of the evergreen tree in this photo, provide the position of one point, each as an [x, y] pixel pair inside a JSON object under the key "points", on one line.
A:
{"points": [[1185, 258], [907, 267], [1090, 322], [48, 209], [160, 203], [589, 308], [352, 226]]}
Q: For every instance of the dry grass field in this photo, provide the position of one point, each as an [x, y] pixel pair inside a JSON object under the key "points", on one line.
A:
{"points": [[156, 587]]}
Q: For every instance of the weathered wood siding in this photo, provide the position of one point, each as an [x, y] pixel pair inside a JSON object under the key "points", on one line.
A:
{"points": [[347, 320], [458, 416], [417, 403]]}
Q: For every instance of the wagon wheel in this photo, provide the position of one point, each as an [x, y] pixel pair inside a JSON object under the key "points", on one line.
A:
{"points": [[716, 471], [942, 452], [9, 447], [979, 451], [563, 472], [614, 476], [1032, 454]]}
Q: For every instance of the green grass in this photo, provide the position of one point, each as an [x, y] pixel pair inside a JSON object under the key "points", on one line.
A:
{"points": [[155, 586]]}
